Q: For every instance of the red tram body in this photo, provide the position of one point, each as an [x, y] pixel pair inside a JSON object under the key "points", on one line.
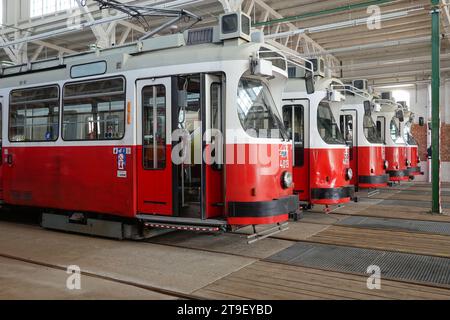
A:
{"points": [[412, 150], [94, 135], [322, 173], [389, 120], [367, 153]]}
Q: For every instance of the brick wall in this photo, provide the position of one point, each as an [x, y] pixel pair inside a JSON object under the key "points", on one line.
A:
{"points": [[445, 143], [420, 134]]}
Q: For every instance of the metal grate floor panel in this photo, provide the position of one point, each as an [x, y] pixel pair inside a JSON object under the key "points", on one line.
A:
{"points": [[393, 265], [408, 203], [397, 224]]}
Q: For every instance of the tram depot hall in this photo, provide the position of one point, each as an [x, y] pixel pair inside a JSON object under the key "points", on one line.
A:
{"points": [[224, 150]]}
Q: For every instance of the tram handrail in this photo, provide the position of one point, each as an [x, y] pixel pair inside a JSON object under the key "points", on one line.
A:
{"points": [[388, 102], [288, 60], [349, 88]]}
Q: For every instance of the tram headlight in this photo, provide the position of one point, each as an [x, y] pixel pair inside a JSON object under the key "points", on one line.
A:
{"points": [[286, 180], [386, 164], [349, 174]]}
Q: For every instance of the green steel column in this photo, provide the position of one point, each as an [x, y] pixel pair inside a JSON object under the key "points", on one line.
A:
{"points": [[435, 101]]}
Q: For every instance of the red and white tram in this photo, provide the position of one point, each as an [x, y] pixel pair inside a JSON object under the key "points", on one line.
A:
{"points": [[367, 150], [322, 172], [412, 149], [94, 135], [389, 120]]}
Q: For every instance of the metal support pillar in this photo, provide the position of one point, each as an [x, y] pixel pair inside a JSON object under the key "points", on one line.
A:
{"points": [[435, 112]]}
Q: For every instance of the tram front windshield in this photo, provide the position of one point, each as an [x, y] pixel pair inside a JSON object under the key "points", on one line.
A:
{"points": [[257, 110], [327, 125]]}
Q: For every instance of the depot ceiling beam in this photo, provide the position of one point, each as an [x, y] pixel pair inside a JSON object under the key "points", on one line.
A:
{"points": [[300, 41], [446, 15], [99, 31], [10, 51], [340, 9], [377, 45], [231, 5]]}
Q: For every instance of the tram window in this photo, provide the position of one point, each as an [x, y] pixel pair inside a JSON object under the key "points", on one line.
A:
{"points": [[215, 105], [257, 111], [34, 114], [407, 135], [347, 128], [154, 127], [295, 126], [371, 130], [327, 126], [94, 110], [380, 128], [216, 123], [395, 131]]}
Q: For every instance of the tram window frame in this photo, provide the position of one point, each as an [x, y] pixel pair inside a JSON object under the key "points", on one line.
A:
{"points": [[164, 126], [298, 161], [96, 95], [216, 122], [56, 125]]}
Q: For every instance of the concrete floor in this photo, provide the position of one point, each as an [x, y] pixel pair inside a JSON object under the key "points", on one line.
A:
{"points": [[33, 261], [20, 280]]}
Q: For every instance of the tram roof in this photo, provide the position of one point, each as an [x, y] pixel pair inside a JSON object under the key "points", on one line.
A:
{"points": [[168, 50]]}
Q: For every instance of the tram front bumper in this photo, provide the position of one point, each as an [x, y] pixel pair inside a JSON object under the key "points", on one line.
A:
{"points": [[263, 212]]}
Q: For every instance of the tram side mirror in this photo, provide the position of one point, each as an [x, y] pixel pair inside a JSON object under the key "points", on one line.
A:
{"points": [[421, 121], [309, 78], [367, 108]]}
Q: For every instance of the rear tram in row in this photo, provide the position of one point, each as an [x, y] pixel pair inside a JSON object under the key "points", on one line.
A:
{"points": [[367, 150], [389, 120], [412, 150], [321, 157]]}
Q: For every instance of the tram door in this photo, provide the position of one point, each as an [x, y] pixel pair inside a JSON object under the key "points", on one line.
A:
{"points": [[294, 114], [154, 166], [198, 178], [349, 129], [213, 147]]}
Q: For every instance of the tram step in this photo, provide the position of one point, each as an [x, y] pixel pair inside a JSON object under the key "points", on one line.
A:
{"points": [[182, 221], [182, 227]]}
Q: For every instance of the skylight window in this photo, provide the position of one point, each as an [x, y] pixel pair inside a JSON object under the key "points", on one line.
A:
{"points": [[40, 8]]}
